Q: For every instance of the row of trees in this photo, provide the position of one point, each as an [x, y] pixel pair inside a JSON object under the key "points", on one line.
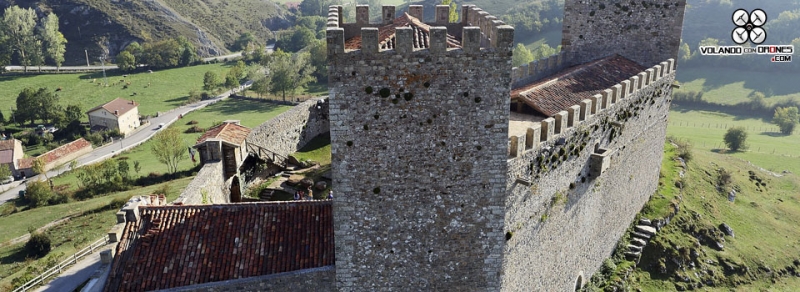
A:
{"points": [[285, 73], [29, 41], [161, 54], [522, 55]]}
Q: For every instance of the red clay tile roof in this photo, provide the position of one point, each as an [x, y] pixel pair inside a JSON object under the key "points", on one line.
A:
{"points": [[122, 106], [57, 153], [386, 36], [174, 246], [6, 156], [229, 132], [7, 144], [570, 86]]}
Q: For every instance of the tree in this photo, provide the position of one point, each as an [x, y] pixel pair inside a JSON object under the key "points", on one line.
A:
{"points": [[162, 54], [54, 42], [38, 245], [261, 86], [314, 7], [38, 193], [19, 26], [210, 80], [73, 113], [26, 106], [786, 118], [244, 40], [135, 49], [231, 81], [453, 17], [5, 171], [39, 166], [319, 59], [126, 61], [169, 148], [684, 52], [297, 40], [736, 138], [137, 167], [289, 72], [189, 53], [521, 56], [123, 168], [544, 50], [238, 70]]}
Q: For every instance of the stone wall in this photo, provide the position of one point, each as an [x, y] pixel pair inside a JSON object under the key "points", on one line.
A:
{"points": [[538, 69], [318, 279], [564, 217], [291, 130], [646, 32], [419, 159], [209, 180]]}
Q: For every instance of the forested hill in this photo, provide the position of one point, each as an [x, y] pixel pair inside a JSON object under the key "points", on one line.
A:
{"points": [[107, 26]]}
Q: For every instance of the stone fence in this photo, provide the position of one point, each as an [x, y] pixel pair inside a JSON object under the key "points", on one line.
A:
{"points": [[550, 128], [291, 130], [208, 187]]}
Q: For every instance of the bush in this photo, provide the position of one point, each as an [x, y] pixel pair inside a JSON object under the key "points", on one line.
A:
{"points": [[38, 193], [38, 245], [736, 138], [117, 203], [95, 138], [192, 122], [162, 190], [683, 150], [59, 198], [194, 129]]}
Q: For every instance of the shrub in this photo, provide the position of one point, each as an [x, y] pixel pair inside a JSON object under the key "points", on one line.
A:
{"points": [[194, 129], [162, 190], [117, 203], [736, 138], [38, 193], [192, 122], [38, 245], [683, 150]]}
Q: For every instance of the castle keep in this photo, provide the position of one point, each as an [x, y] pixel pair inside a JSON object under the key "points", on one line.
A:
{"points": [[452, 170]]}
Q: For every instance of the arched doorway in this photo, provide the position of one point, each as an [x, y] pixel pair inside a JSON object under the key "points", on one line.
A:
{"points": [[236, 190]]}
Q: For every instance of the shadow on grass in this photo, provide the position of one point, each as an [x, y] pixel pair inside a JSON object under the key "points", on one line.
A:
{"points": [[14, 76], [16, 255], [317, 143], [777, 84], [773, 134], [737, 112]]}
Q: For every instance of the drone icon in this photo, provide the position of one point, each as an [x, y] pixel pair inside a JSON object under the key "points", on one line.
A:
{"points": [[749, 26]]}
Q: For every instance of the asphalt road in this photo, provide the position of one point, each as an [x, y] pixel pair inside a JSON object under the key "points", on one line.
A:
{"points": [[140, 136]]}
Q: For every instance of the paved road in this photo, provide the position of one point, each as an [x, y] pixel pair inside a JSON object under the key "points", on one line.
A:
{"points": [[140, 136], [107, 67], [66, 281]]}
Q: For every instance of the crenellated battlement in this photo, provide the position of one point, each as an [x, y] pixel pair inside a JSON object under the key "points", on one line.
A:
{"points": [[477, 31], [535, 70], [550, 129]]}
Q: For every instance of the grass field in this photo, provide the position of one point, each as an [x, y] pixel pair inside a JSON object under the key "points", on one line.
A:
{"points": [[250, 113], [763, 219], [767, 147], [93, 218], [731, 86], [552, 38], [158, 91]]}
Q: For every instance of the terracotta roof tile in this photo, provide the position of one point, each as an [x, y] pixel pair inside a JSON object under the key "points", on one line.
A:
{"points": [[570, 86], [229, 132], [174, 246], [386, 35], [57, 153], [7, 144], [121, 106]]}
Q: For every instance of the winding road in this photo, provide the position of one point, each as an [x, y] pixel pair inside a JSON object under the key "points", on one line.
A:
{"points": [[141, 135]]}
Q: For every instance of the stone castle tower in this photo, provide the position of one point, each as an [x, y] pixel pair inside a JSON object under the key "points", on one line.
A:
{"points": [[439, 187], [419, 113]]}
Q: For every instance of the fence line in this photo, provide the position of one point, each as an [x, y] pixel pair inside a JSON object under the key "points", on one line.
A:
{"points": [[58, 269], [724, 126]]}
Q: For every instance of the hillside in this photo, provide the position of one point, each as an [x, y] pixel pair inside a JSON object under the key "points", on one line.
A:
{"points": [[105, 27]]}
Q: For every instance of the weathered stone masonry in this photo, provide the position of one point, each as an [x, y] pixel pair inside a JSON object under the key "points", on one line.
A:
{"points": [[551, 244], [417, 164], [292, 129]]}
